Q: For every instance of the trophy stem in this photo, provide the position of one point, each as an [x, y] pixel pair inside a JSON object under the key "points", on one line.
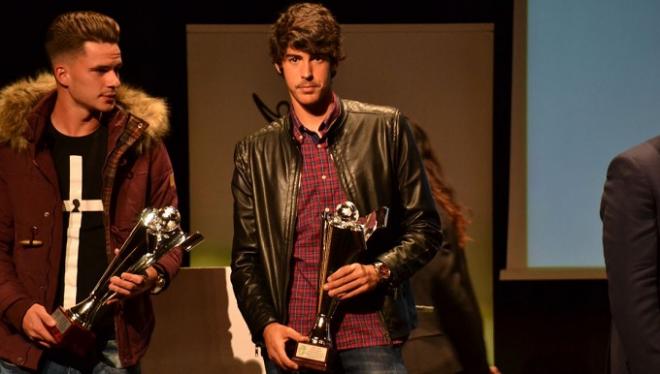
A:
{"points": [[85, 311], [320, 334]]}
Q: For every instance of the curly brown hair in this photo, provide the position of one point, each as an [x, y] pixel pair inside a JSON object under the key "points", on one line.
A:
{"points": [[69, 31], [443, 194], [307, 27]]}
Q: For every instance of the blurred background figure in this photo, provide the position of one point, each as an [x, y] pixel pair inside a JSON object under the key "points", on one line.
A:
{"points": [[449, 334]]}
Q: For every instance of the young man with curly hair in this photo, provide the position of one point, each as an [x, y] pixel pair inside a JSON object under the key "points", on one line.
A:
{"points": [[326, 151]]}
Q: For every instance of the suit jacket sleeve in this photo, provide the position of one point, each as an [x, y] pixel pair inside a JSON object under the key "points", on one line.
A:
{"points": [[629, 211]]}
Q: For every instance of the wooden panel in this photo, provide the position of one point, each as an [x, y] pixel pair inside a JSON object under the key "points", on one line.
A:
{"points": [[199, 328]]}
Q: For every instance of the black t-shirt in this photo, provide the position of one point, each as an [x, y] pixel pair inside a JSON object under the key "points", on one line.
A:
{"points": [[79, 164]]}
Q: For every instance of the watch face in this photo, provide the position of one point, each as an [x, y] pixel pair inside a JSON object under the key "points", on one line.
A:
{"points": [[161, 280], [383, 270]]}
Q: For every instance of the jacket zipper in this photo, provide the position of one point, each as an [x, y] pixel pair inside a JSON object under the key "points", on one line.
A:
{"points": [[292, 226], [294, 206]]}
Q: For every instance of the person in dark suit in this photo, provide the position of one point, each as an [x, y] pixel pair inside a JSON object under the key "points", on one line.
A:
{"points": [[630, 212], [449, 334]]}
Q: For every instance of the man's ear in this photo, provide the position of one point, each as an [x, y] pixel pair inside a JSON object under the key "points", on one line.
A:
{"points": [[278, 68], [61, 73]]}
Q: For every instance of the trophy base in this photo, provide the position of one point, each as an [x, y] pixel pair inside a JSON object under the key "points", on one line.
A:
{"points": [[310, 356], [70, 335]]}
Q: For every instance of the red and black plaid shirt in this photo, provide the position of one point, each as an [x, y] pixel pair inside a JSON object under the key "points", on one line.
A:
{"points": [[320, 190]]}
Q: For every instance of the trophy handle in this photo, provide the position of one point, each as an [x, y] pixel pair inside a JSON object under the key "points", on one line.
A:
{"points": [[375, 220], [192, 241]]}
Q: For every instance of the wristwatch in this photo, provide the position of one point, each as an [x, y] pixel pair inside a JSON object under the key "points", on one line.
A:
{"points": [[161, 281], [383, 271]]}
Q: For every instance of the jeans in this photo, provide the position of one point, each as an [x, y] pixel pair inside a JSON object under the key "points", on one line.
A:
{"points": [[109, 359], [370, 360], [50, 367]]}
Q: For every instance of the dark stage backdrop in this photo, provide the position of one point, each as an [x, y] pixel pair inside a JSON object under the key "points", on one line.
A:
{"points": [[539, 326]]}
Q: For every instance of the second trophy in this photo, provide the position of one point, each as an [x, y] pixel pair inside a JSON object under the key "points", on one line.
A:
{"points": [[157, 232], [344, 238]]}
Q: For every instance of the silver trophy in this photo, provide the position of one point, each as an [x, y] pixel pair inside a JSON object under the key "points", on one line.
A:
{"points": [[156, 233], [343, 239]]}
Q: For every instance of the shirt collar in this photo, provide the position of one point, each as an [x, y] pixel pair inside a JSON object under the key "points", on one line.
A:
{"points": [[326, 125]]}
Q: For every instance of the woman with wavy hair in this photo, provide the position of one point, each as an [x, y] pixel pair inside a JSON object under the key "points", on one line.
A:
{"points": [[449, 335]]}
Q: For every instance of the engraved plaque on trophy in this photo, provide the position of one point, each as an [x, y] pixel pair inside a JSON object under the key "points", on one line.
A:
{"points": [[157, 232], [344, 237]]}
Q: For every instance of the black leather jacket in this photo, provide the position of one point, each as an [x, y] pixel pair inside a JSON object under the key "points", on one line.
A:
{"points": [[378, 165]]}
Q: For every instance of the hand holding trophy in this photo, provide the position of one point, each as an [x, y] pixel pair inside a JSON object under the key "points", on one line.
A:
{"points": [[157, 232], [344, 237]]}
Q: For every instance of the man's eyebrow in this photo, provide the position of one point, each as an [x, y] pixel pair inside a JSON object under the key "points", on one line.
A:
{"points": [[106, 66]]}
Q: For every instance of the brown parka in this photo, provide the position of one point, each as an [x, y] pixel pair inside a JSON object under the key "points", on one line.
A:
{"points": [[137, 173]]}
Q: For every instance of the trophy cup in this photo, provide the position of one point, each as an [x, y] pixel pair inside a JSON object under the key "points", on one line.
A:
{"points": [[156, 233], [344, 237]]}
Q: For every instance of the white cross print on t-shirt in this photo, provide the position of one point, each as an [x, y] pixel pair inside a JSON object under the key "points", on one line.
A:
{"points": [[76, 206]]}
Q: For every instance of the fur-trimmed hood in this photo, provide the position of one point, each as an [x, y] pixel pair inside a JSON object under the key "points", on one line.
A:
{"points": [[19, 99]]}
